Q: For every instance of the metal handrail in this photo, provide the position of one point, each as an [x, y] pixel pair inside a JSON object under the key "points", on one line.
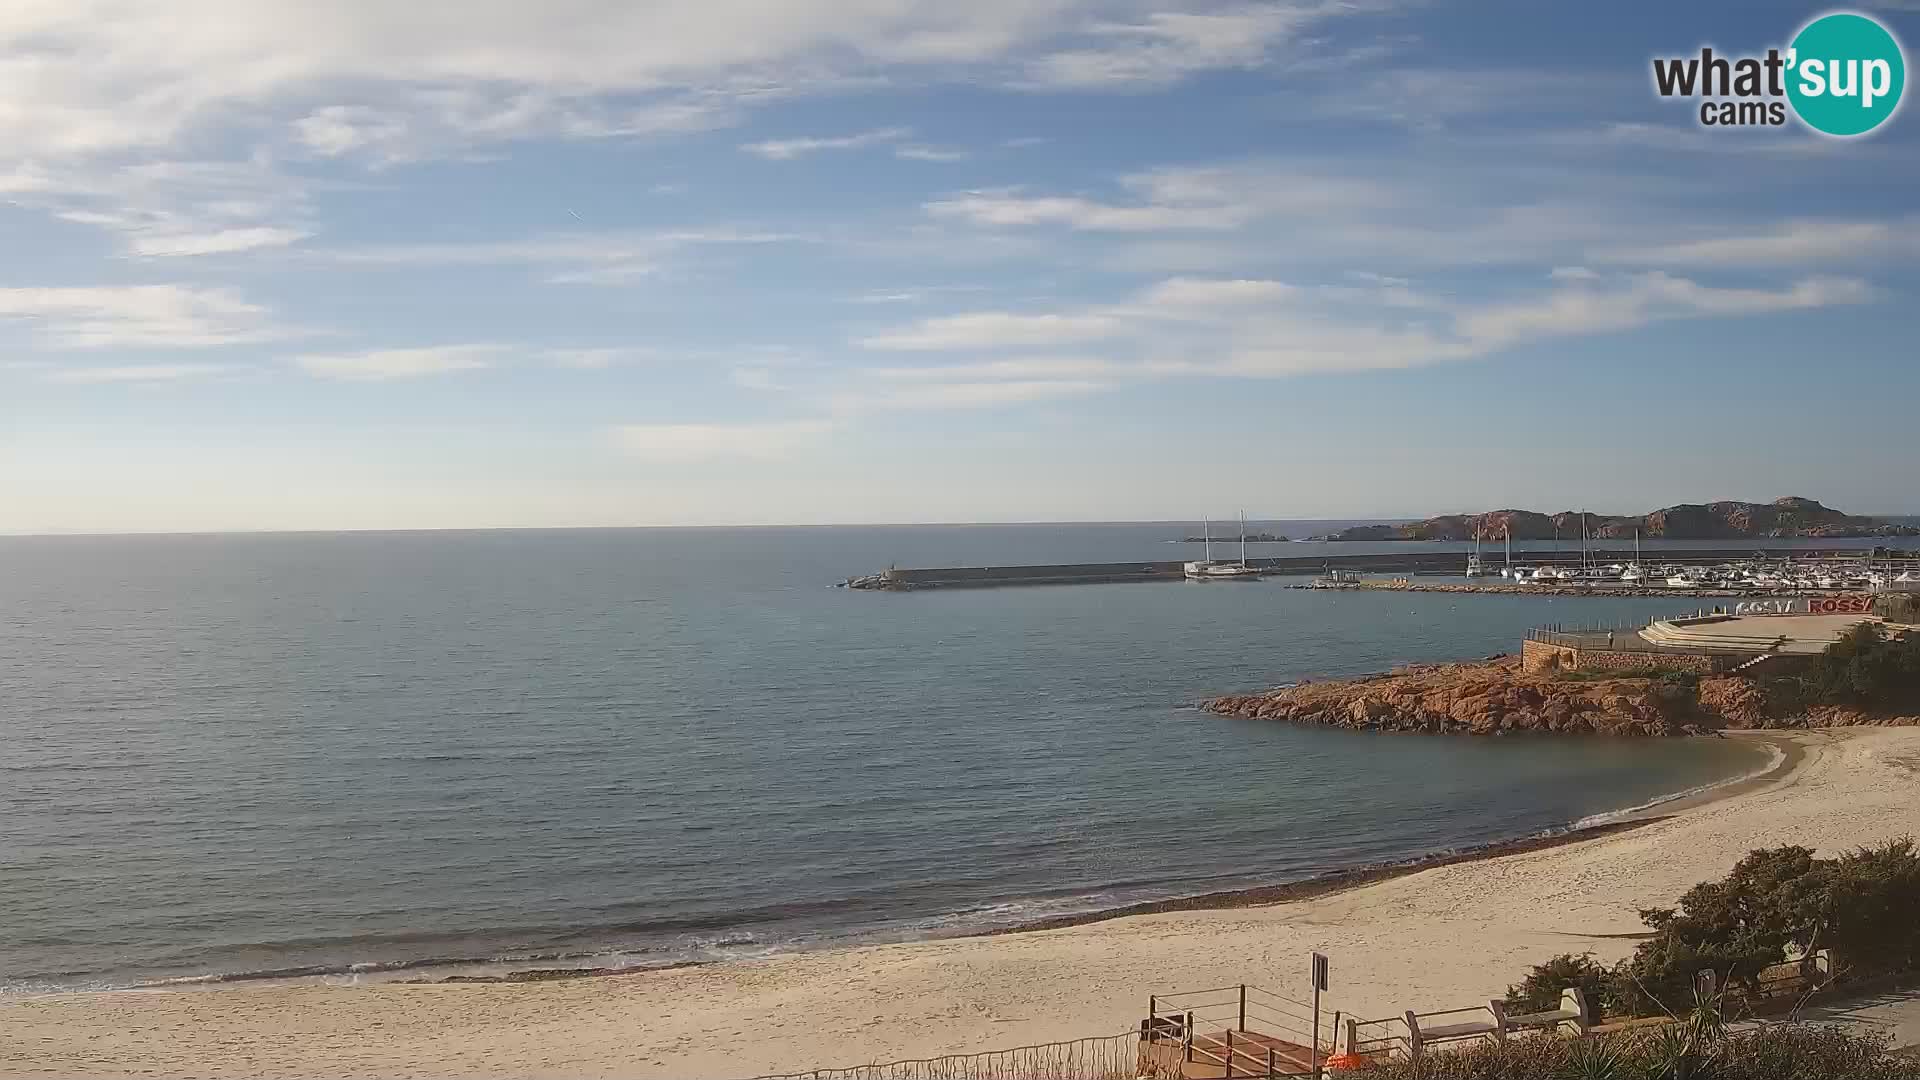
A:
{"points": [[1452, 1012]]}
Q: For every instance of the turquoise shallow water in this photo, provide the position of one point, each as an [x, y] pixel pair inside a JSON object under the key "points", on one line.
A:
{"points": [[350, 755]]}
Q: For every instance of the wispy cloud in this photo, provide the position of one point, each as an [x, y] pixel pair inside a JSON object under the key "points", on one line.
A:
{"points": [[1790, 243], [171, 209], [133, 315], [1641, 299], [930, 153], [577, 257], [1167, 46], [1007, 208], [592, 359], [705, 442], [382, 365], [1186, 327], [964, 395], [788, 149], [1193, 198], [995, 329], [1185, 292], [136, 373], [1036, 368]]}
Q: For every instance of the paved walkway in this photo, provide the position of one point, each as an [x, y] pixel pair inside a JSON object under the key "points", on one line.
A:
{"points": [[1896, 1010]]}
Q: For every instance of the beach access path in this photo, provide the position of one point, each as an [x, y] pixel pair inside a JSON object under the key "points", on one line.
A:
{"points": [[1445, 937]]}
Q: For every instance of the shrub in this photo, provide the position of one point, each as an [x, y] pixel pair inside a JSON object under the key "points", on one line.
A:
{"points": [[1736, 926], [1777, 902], [1874, 908], [1540, 990], [1866, 667], [1677, 1052]]}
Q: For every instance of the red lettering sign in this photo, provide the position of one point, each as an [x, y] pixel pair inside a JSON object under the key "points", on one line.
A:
{"points": [[1844, 604]]}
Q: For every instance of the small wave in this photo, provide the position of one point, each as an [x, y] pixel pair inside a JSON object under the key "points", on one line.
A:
{"points": [[1775, 758]]}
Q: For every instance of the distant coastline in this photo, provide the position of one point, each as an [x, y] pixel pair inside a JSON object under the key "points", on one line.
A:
{"points": [[1789, 517]]}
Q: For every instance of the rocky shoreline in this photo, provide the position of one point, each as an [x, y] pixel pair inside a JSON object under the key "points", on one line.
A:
{"points": [[1495, 697]]}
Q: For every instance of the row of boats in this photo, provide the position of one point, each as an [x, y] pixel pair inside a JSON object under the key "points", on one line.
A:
{"points": [[1732, 576], [1751, 574]]}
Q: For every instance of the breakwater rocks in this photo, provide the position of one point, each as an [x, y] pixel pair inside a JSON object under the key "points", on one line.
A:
{"points": [[1495, 697]]}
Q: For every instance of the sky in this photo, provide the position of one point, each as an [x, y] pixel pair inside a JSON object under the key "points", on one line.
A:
{"points": [[272, 264]]}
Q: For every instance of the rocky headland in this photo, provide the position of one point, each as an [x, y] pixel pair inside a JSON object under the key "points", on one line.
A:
{"points": [[1495, 697], [1792, 516]]}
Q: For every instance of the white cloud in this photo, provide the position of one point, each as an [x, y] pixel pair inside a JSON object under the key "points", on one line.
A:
{"points": [[132, 315], [603, 258], [1037, 368], [1166, 46], [1204, 199], [381, 365], [1009, 209], [1572, 273], [219, 241], [788, 149], [1791, 243], [1639, 300], [592, 359], [965, 395], [995, 329], [171, 208], [704, 442], [136, 373], [1186, 292], [930, 153], [1266, 329]]}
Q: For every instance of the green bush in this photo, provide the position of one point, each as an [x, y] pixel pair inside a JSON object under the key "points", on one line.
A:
{"points": [[1873, 908], [1676, 1052], [1540, 990], [1775, 902], [1866, 667], [1736, 926]]}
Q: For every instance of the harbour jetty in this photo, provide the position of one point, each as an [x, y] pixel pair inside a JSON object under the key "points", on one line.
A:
{"points": [[1404, 562]]}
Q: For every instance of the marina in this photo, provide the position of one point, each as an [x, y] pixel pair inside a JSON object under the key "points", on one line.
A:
{"points": [[1715, 572]]}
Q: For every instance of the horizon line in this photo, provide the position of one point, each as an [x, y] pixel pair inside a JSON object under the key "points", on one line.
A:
{"points": [[28, 534]]}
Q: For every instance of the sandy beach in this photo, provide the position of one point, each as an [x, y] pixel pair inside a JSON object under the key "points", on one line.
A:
{"points": [[1442, 937]]}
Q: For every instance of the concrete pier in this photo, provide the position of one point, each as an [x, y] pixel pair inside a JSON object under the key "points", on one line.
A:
{"points": [[1402, 562]]}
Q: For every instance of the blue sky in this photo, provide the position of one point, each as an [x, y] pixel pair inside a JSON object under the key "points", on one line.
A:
{"points": [[272, 264]]}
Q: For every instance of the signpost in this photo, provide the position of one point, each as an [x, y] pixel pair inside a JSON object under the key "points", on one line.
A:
{"points": [[1319, 985]]}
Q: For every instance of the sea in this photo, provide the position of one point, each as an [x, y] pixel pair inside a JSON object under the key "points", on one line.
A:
{"points": [[359, 757]]}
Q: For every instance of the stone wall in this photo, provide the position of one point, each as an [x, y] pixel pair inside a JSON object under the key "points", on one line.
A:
{"points": [[1539, 657]]}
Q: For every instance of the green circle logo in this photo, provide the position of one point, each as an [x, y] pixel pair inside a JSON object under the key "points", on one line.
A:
{"points": [[1845, 74]]}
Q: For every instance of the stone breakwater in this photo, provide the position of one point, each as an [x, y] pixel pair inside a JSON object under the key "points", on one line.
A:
{"points": [[1494, 697]]}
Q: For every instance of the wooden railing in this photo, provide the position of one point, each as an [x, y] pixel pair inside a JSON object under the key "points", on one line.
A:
{"points": [[1244, 1031]]}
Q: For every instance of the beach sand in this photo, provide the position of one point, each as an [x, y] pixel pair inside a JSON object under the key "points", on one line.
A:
{"points": [[1444, 937]]}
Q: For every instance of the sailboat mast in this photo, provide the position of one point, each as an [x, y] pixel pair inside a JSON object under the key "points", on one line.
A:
{"points": [[1206, 536], [1243, 538], [1509, 545]]}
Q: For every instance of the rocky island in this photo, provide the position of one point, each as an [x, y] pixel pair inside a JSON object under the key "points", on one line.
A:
{"points": [[1792, 516]]}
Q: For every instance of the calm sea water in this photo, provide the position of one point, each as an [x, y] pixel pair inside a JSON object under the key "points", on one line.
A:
{"points": [[345, 754]]}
